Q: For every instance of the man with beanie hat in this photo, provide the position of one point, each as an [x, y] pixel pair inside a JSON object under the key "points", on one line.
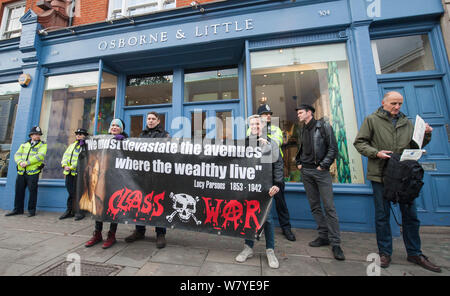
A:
{"points": [[70, 163], [275, 134], [30, 161]]}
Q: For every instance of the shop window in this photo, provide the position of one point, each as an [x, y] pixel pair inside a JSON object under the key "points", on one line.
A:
{"points": [[120, 8], [69, 103], [211, 85], [9, 98], [11, 25], [402, 54], [315, 75], [149, 90]]}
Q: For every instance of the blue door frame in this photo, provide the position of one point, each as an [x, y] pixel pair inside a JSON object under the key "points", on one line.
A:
{"points": [[143, 111]]}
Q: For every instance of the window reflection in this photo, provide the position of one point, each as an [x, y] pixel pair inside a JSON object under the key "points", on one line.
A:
{"points": [[314, 75], [9, 99], [149, 89], [211, 85], [68, 104], [402, 54]]}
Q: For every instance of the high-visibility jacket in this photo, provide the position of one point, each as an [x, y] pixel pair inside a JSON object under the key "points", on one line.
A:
{"points": [[70, 158], [275, 134], [32, 155]]}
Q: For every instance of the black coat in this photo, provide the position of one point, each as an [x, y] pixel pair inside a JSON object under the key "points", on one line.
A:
{"points": [[273, 152], [325, 146], [157, 132]]}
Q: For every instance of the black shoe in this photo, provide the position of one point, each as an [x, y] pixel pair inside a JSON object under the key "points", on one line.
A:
{"points": [[67, 214], [14, 213], [79, 217], [338, 253], [31, 214], [289, 235], [318, 242], [160, 241], [135, 236]]}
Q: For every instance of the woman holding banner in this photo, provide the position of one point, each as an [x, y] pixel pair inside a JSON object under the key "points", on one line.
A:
{"points": [[116, 129], [258, 138]]}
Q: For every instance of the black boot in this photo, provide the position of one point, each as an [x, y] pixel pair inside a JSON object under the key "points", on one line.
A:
{"points": [[67, 214]]}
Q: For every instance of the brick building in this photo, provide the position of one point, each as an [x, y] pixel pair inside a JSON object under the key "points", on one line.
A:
{"points": [[222, 59]]}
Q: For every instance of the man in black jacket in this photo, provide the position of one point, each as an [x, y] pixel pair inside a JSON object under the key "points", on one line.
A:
{"points": [[153, 130], [316, 152]]}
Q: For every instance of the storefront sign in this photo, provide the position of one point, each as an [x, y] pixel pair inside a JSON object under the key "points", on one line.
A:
{"points": [[199, 32], [207, 187]]}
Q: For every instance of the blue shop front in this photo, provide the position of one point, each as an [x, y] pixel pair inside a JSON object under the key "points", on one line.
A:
{"points": [[206, 70]]}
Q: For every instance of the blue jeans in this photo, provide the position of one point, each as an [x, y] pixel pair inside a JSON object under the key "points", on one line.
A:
{"points": [[269, 233], [410, 224]]}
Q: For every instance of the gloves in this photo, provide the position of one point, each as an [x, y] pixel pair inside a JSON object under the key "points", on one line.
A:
{"points": [[119, 137]]}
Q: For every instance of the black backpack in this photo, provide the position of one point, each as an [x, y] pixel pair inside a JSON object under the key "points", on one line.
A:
{"points": [[402, 180]]}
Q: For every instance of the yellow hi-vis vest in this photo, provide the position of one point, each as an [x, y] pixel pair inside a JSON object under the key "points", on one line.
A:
{"points": [[32, 155], [70, 158], [274, 134]]}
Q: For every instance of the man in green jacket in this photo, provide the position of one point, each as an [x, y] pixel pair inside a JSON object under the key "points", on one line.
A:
{"points": [[382, 133], [29, 159], [69, 163]]}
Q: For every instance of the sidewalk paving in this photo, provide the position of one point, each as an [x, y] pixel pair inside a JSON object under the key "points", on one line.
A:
{"points": [[40, 245]]}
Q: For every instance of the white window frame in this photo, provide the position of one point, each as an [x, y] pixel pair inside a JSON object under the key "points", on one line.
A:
{"points": [[5, 19], [160, 4]]}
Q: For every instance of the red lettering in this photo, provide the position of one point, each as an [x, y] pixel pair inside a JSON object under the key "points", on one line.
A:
{"points": [[156, 200], [212, 213], [253, 206], [147, 206], [134, 201], [232, 212], [122, 205], [111, 208]]}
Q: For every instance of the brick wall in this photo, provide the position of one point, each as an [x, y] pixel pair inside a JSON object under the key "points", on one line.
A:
{"points": [[181, 3], [87, 11]]}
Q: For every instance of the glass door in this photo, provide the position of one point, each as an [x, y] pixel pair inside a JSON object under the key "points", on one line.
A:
{"points": [[136, 119], [214, 121]]}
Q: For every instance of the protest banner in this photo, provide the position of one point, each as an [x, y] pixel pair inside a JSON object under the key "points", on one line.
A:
{"points": [[219, 188]]}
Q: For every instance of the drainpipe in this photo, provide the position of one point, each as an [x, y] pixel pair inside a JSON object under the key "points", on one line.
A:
{"points": [[71, 13]]}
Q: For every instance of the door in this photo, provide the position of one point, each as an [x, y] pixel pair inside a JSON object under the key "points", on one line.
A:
{"points": [[213, 121], [136, 119], [426, 98]]}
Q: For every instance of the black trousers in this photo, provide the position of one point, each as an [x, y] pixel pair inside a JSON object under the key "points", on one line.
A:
{"points": [[159, 230], [282, 210], [23, 181], [71, 186]]}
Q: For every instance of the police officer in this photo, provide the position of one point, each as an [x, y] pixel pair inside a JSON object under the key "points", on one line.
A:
{"points": [[275, 134], [29, 159], [69, 163]]}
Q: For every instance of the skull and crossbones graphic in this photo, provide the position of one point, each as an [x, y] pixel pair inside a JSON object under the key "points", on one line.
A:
{"points": [[185, 206]]}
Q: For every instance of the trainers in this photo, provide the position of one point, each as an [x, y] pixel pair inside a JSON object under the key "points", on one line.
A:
{"points": [[272, 259], [135, 236], [96, 238], [246, 253], [318, 242], [160, 241], [338, 253], [110, 241]]}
